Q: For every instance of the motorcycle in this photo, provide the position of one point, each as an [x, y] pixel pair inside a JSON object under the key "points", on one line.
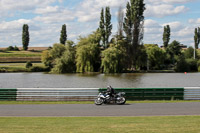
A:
{"points": [[105, 98]]}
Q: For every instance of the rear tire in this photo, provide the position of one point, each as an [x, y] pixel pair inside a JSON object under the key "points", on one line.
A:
{"points": [[98, 101], [121, 101]]}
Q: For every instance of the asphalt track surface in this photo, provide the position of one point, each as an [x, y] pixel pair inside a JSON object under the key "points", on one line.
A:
{"points": [[82, 110]]}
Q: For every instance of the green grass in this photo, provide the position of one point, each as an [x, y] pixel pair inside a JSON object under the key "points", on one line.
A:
{"points": [[17, 67], [20, 54], [88, 102], [159, 124]]}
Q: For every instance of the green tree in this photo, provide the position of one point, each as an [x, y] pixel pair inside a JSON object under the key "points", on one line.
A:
{"points": [[189, 53], [128, 24], [66, 63], [174, 50], [120, 18], [57, 50], [108, 25], [88, 53], [182, 65], [49, 56], [156, 57], [63, 34], [133, 27], [25, 36], [166, 36], [47, 59], [197, 37], [102, 28], [186, 65], [112, 61]]}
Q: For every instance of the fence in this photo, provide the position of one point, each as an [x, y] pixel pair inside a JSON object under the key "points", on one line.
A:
{"points": [[8, 94], [192, 93], [89, 94], [56, 94], [151, 93]]}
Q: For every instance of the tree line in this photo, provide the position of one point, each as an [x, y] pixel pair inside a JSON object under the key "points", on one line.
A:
{"points": [[122, 52]]}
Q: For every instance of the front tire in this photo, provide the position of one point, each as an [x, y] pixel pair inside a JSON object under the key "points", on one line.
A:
{"points": [[121, 100], [98, 101]]}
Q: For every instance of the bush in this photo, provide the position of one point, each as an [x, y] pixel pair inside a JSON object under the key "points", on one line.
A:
{"points": [[28, 64], [192, 65], [182, 65], [198, 63], [186, 65], [11, 48], [39, 69]]}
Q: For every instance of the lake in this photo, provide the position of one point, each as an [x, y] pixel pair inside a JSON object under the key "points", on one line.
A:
{"points": [[96, 80]]}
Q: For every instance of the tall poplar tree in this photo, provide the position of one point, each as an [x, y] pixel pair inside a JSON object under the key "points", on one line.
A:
{"points": [[128, 24], [63, 34], [102, 28], [197, 37], [25, 36], [166, 36], [108, 25], [133, 27], [120, 18]]}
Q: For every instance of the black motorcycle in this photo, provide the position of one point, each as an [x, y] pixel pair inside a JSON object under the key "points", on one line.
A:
{"points": [[105, 98]]}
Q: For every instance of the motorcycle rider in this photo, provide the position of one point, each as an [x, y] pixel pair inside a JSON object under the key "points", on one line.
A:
{"points": [[110, 91]]}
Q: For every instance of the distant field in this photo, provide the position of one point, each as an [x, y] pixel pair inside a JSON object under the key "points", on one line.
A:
{"points": [[16, 67], [20, 56], [158, 124]]}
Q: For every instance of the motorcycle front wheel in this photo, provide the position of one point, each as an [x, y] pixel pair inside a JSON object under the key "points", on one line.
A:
{"points": [[98, 101], [121, 100]]}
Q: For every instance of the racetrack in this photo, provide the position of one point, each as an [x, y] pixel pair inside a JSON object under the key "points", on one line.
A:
{"points": [[76, 110]]}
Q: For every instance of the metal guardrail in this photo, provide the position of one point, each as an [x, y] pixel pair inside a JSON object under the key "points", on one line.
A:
{"points": [[56, 94], [151, 93], [89, 94], [192, 93], [8, 94]]}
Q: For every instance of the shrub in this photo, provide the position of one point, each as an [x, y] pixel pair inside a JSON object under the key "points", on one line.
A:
{"points": [[192, 64], [11, 48], [182, 65], [28, 64], [39, 69]]}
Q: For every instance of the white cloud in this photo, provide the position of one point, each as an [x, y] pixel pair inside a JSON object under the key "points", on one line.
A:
{"points": [[23, 4], [194, 21], [174, 26], [48, 9], [163, 10], [168, 1], [61, 16], [13, 25]]}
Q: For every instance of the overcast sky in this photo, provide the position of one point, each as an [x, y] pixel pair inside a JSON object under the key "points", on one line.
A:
{"points": [[46, 17]]}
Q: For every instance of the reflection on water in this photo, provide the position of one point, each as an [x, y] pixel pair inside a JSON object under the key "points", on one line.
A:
{"points": [[96, 80]]}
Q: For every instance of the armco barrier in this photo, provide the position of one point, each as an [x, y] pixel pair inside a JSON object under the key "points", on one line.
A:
{"points": [[8, 94], [88, 94], [151, 93], [56, 94], [192, 93]]}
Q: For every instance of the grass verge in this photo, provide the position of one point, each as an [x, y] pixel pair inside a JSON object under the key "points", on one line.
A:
{"points": [[87, 102], [158, 124]]}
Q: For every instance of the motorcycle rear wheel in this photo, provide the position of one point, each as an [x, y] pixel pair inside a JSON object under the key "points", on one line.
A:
{"points": [[98, 101], [121, 101]]}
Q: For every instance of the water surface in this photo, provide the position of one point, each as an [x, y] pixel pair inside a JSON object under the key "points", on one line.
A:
{"points": [[129, 80]]}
